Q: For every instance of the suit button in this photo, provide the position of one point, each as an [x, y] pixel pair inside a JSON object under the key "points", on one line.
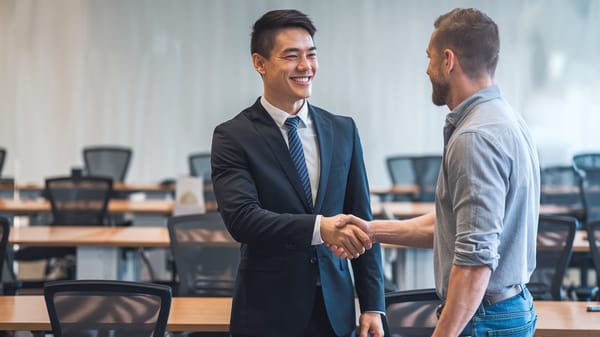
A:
{"points": [[313, 260]]}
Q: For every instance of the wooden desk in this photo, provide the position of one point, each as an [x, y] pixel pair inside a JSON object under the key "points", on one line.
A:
{"points": [[149, 206], [102, 245], [118, 186], [555, 319], [566, 319], [406, 190], [187, 314], [81, 236]]}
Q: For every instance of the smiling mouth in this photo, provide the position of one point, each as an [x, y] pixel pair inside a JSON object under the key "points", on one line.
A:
{"points": [[301, 79]]}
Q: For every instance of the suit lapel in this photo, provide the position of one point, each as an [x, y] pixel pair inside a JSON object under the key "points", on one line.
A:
{"points": [[269, 131], [325, 142]]}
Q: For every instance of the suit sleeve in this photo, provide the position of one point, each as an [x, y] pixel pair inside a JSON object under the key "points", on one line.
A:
{"points": [[368, 270], [237, 197]]}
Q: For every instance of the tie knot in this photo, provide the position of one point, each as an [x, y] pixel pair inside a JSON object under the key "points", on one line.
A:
{"points": [[292, 123]]}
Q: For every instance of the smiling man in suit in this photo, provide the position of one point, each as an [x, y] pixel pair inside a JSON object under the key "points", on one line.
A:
{"points": [[283, 172]]}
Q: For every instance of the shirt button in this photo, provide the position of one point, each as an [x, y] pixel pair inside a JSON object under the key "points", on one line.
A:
{"points": [[313, 260]]}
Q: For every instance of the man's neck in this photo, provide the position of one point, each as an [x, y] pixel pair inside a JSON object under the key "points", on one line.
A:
{"points": [[466, 88]]}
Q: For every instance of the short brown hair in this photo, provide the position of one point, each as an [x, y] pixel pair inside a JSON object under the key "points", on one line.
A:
{"points": [[265, 28], [473, 36]]}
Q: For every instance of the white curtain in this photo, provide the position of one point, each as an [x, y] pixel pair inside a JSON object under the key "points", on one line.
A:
{"points": [[158, 76]]}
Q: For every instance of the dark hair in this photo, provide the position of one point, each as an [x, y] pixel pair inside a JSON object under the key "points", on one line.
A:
{"points": [[473, 36], [265, 28]]}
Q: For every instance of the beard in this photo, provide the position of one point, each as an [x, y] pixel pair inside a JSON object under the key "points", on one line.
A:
{"points": [[440, 91]]}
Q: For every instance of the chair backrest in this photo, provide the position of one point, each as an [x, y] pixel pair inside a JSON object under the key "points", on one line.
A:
{"points": [[427, 169], [107, 308], [561, 185], [590, 188], [554, 250], [2, 156], [107, 161], [205, 260], [4, 232], [79, 200], [411, 313], [401, 170], [593, 232], [200, 165], [584, 161]]}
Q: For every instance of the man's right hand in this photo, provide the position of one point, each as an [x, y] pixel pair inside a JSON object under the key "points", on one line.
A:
{"points": [[352, 240]]}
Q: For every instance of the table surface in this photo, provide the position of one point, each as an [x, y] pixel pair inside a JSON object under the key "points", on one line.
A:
{"points": [[149, 206], [117, 186], [136, 236], [555, 319]]}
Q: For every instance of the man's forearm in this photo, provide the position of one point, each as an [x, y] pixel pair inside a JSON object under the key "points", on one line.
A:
{"points": [[465, 293], [415, 232]]}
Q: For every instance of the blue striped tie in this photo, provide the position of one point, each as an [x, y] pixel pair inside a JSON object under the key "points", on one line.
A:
{"points": [[297, 155]]}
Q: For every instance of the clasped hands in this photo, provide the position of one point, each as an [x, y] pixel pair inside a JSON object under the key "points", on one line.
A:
{"points": [[347, 236]]}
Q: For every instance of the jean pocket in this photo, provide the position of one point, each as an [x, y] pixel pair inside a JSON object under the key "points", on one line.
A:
{"points": [[520, 331]]}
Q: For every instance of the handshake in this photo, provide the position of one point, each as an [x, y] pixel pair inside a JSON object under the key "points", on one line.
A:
{"points": [[347, 236]]}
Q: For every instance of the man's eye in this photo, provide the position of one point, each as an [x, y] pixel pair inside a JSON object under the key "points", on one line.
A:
{"points": [[291, 57]]}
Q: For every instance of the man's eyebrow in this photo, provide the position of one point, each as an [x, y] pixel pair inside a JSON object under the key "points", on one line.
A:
{"points": [[290, 50]]}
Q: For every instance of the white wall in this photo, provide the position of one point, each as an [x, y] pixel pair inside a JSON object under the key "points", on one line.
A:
{"points": [[160, 75]]}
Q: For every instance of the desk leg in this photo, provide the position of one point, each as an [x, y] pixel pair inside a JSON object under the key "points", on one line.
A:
{"points": [[107, 263]]}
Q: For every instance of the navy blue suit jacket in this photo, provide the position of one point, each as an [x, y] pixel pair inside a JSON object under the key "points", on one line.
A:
{"points": [[262, 202]]}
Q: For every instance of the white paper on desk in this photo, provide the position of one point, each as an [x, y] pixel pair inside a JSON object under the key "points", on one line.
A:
{"points": [[189, 196]]}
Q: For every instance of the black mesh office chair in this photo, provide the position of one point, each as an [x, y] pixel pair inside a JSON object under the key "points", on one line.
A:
{"points": [[561, 185], [411, 313], [4, 232], [107, 308], [78, 200], [205, 259], [585, 161], [554, 249], [75, 201], [108, 161], [2, 156], [401, 172], [426, 170], [593, 233], [200, 167], [591, 194]]}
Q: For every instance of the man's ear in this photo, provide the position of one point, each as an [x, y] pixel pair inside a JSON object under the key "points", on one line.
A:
{"points": [[449, 61], [259, 63]]}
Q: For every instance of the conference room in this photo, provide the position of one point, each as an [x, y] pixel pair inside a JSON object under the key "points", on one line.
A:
{"points": [[133, 90]]}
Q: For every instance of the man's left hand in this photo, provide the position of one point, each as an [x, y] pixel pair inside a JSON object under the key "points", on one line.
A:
{"points": [[370, 322]]}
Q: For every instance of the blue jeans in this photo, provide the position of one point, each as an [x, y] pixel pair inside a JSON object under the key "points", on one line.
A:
{"points": [[515, 316]]}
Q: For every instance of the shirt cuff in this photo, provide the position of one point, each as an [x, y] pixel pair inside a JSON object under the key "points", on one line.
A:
{"points": [[379, 312], [316, 237]]}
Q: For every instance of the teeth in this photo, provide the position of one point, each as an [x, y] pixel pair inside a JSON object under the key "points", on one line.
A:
{"points": [[301, 79]]}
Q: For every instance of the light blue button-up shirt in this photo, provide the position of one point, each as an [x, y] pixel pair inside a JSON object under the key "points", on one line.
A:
{"points": [[487, 198]]}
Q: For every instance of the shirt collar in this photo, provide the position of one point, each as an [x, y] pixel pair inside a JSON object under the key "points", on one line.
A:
{"points": [[279, 116], [463, 109]]}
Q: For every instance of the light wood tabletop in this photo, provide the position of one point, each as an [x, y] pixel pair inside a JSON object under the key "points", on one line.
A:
{"points": [[395, 190], [148, 206], [555, 319], [136, 236], [117, 186], [187, 314]]}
